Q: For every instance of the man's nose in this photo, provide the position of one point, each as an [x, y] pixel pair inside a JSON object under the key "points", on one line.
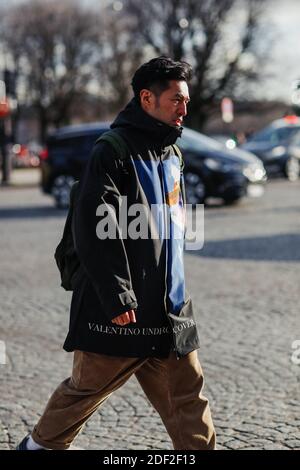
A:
{"points": [[183, 109]]}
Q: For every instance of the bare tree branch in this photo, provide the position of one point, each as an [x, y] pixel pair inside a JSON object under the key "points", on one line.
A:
{"points": [[54, 46], [195, 30]]}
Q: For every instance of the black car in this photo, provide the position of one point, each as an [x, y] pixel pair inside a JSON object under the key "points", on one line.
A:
{"points": [[273, 145], [65, 156], [210, 169]]}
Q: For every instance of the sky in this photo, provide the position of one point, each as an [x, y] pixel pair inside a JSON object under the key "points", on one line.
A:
{"points": [[284, 64], [282, 19]]}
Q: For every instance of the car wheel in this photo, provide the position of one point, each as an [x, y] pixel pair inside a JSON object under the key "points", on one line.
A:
{"points": [[194, 187], [61, 190], [231, 201], [292, 169]]}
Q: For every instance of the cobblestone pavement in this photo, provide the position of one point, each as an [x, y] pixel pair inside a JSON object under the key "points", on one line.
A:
{"points": [[245, 288]]}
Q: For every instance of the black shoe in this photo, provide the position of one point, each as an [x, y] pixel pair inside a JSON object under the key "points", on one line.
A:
{"points": [[23, 444]]}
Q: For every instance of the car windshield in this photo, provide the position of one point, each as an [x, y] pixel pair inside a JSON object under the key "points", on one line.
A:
{"points": [[274, 136], [192, 140]]}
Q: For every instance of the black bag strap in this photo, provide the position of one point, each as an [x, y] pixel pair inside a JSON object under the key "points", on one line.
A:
{"points": [[117, 142], [179, 155], [74, 193]]}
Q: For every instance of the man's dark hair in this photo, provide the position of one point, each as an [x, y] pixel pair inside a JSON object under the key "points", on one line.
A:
{"points": [[156, 74]]}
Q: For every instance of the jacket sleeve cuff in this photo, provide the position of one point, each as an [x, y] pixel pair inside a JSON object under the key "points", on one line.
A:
{"points": [[120, 303]]}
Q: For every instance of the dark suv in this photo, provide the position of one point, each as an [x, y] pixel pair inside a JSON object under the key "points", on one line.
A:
{"points": [[211, 170], [65, 156]]}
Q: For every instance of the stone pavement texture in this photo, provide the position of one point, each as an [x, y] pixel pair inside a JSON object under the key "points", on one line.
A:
{"points": [[245, 289]]}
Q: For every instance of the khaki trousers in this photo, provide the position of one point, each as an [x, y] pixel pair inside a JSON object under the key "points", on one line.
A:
{"points": [[174, 388]]}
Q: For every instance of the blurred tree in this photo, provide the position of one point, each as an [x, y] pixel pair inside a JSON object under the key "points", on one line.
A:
{"points": [[55, 49], [121, 54], [63, 51], [218, 37]]}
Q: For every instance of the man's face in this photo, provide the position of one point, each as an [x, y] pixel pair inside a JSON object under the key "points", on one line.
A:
{"points": [[171, 106]]}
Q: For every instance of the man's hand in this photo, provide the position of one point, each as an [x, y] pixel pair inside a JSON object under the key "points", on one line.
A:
{"points": [[125, 318]]}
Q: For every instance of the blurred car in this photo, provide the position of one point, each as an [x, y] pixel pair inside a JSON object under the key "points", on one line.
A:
{"points": [[24, 156], [226, 140], [294, 151], [273, 146], [210, 169], [63, 160]]}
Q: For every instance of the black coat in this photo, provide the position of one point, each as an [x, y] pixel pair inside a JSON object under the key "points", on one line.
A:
{"points": [[123, 273]]}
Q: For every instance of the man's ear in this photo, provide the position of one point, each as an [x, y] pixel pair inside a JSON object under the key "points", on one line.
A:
{"points": [[146, 98]]}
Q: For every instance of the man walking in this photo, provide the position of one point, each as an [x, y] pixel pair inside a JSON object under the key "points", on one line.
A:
{"points": [[130, 313]]}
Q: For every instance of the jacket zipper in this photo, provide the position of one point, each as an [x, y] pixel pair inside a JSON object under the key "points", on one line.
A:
{"points": [[166, 248]]}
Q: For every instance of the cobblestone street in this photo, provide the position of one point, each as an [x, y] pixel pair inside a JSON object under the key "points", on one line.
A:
{"points": [[245, 286]]}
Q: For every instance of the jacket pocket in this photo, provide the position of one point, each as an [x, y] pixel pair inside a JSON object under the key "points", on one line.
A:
{"points": [[184, 329]]}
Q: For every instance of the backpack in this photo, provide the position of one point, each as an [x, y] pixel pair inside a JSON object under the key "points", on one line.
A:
{"points": [[65, 254]]}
